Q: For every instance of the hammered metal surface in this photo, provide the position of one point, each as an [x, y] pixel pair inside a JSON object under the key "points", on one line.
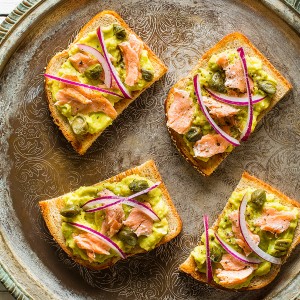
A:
{"points": [[38, 163]]}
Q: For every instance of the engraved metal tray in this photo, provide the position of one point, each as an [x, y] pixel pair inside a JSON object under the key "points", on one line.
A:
{"points": [[38, 163]]}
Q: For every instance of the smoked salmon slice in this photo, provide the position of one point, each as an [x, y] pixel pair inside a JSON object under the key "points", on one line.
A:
{"points": [[92, 244], [274, 220], [139, 222], [82, 61], [209, 145], [181, 112], [131, 51], [114, 216]]}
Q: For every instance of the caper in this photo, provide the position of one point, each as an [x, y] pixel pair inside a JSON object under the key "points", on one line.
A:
{"points": [[93, 72], [194, 134], [282, 244], [258, 197], [138, 185], [215, 253], [119, 32], [70, 211], [277, 253], [128, 237], [267, 86], [147, 75], [79, 125], [217, 82]]}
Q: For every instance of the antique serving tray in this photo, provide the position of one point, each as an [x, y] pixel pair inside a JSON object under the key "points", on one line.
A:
{"points": [[37, 162]]}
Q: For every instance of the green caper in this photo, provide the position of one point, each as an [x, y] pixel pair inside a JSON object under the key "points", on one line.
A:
{"points": [[194, 134], [267, 86], [138, 185], [128, 237], [277, 253], [119, 32], [282, 244], [147, 75], [215, 253], [70, 211], [258, 197], [79, 125], [217, 82], [93, 72]]}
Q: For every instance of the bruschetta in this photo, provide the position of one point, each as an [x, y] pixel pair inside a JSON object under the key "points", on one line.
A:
{"points": [[251, 239], [127, 214], [101, 72], [218, 105]]}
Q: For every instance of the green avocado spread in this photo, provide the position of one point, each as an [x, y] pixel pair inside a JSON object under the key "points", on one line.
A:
{"points": [[275, 244], [96, 121], [214, 77], [72, 212]]}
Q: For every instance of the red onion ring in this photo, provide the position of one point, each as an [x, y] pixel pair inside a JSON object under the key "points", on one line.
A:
{"points": [[236, 254], [226, 136], [82, 85], [102, 61], [104, 238], [113, 71], [209, 271], [245, 232], [238, 101], [247, 130]]}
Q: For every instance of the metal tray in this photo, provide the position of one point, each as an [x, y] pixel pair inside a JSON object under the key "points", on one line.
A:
{"points": [[37, 163]]}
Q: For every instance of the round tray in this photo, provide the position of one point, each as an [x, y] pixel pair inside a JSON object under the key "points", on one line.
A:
{"points": [[37, 163]]}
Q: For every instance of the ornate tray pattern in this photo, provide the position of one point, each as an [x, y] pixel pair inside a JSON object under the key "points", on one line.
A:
{"points": [[37, 163]]}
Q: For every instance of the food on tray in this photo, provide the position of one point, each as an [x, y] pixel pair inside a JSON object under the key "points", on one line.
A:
{"points": [[219, 103], [127, 214], [89, 84], [252, 237]]}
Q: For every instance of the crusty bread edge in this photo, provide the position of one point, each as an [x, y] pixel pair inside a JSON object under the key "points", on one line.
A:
{"points": [[82, 144], [247, 180], [50, 211], [207, 168]]}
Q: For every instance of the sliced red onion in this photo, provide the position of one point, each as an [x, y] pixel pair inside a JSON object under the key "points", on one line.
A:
{"points": [[101, 200], [104, 238], [236, 254], [102, 61], [247, 130], [155, 185], [209, 271], [226, 136], [82, 85], [108, 204], [145, 209], [239, 101], [245, 232], [113, 71], [113, 200], [115, 197]]}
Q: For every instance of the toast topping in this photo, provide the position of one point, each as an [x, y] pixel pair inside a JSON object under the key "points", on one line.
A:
{"points": [[274, 221], [131, 51], [219, 109], [209, 145], [92, 244], [81, 62], [271, 226], [139, 222], [114, 216], [129, 228], [180, 114]]}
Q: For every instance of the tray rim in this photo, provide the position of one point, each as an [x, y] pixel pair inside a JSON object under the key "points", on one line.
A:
{"points": [[290, 14]]}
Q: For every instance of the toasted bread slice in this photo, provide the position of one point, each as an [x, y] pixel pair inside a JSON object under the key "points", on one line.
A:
{"points": [[105, 18], [231, 41], [51, 213], [189, 266]]}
